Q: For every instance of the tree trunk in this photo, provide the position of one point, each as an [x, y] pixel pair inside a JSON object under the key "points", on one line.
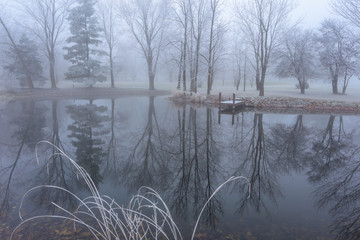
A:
{"points": [[181, 70], [179, 79], [261, 90], [301, 85], [151, 81], [334, 78], [151, 73], [184, 53], [262, 82], [335, 84], [208, 83], [302, 88], [257, 78], [184, 79], [244, 74], [210, 66], [346, 82], [52, 69], [196, 64], [111, 69]]}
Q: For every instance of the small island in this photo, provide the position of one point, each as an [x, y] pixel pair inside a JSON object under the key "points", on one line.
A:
{"points": [[284, 99]]}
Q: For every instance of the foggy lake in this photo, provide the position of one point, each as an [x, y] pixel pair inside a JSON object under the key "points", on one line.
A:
{"points": [[303, 169]]}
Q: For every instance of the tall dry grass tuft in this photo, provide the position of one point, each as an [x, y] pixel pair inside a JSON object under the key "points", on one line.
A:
{"points": [[146, 216]]}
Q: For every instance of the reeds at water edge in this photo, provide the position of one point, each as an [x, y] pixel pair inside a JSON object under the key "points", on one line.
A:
{"points": [[145, 217]]}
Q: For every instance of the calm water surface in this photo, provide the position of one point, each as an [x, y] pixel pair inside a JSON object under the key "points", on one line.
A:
{"points": [[304, 169]]}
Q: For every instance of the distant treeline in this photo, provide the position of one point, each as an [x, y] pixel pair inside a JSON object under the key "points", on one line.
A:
{"points": [[192, 42]]}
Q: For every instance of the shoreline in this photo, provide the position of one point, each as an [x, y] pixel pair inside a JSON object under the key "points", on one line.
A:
{"points": [[78, 93], [274, 103]]}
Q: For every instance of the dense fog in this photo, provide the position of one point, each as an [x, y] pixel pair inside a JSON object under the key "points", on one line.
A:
{"points": [[62, 43]]}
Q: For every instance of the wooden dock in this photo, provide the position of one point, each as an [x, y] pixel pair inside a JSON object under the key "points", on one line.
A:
{"points": [[230, 107], [231, 104]]}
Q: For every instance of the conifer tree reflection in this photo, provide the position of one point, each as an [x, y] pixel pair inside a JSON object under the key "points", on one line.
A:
{"points": [[29, 130], [335, 167], [87, 130]]}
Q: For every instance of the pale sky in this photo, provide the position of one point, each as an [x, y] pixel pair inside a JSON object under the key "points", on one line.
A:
{"points": [[313, 12]]}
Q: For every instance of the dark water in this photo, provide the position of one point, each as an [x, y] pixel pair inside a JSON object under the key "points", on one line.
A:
{"points": [[304, 169]]}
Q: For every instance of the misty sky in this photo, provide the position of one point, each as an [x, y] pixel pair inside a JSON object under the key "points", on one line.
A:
{"points": [[313, 11]]}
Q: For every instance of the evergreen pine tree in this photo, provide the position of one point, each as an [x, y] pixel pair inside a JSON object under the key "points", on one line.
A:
{"points": [[28, 52], [85, 31]]}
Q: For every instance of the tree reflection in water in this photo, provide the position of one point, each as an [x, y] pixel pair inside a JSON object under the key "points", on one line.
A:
{"points": [[334, 167], [87, 131], [111, 151], [288, 145], [147, 163], [198, 170], [262, 170], [29, 130], [186, 156], [268, 155], [55, 171]]}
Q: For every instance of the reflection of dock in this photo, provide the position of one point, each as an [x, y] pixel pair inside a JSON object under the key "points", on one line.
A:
{"points": [[230, 111], [230, 107]]}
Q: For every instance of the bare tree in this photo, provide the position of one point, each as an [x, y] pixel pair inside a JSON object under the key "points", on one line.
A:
{"points": [[240, 59], [109, 26], [215, 39], [262, 22], [348, 9], [246, 58], [50, 16], [198, 16], [182, 17], [237, 60], [146, 20], [297, 58], [19, 55], [251, 37], [338, 52]]}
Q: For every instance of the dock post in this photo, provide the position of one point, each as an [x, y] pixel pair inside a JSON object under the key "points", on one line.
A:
{"points": [[233, 108], [233, 112], [219, 112]]}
